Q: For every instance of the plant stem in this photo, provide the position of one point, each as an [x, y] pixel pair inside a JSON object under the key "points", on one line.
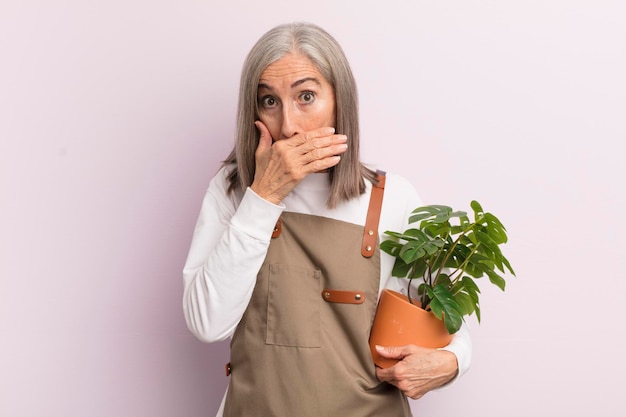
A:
{"points": [[461, 267]]}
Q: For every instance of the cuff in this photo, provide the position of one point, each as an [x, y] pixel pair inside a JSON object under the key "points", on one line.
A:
{"points": [[256, 216]]}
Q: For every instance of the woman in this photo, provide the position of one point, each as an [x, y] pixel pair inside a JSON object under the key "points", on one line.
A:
{"points": [[278, 260]]}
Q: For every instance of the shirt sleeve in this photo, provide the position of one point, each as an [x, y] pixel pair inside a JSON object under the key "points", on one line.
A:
{"points": [[228, 247], [461, 346]]}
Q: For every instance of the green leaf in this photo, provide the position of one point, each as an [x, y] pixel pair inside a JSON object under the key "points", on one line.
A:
{"points": [[470, 286], [508, 265], [466, 292], [391, 247], [495, 229], [400, 268], [431, 211], [409, 235], [412, 251], [477, 208], [496, 279], [466, 303], [445, 307], [419, 268]]}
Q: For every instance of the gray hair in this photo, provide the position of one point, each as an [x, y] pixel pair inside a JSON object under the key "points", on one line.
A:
{"points": [[347, 177]]}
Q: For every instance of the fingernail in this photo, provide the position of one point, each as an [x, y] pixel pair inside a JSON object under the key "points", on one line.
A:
{"points": [[380, 348]]}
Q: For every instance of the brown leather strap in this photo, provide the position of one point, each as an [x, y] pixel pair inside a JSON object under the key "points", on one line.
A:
{"points": [[277, 229], [345, 297], [370, 233]]}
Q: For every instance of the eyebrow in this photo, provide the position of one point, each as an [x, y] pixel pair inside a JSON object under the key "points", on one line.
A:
{"points": [[295, 84]]}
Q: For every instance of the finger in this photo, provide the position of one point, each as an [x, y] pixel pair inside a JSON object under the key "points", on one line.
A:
{"points": [[305, 137], [265, 139], [314, 153], [393, 352], [320, 165], [329, 151], [416, 396], [385, 374], [321, 142], [322, 147]]}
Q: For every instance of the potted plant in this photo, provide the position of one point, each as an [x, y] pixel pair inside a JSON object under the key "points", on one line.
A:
{"points": [[448, 252]]}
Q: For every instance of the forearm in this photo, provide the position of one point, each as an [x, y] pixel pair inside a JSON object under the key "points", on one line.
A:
{"points": [[223, 262], [219, 290]]}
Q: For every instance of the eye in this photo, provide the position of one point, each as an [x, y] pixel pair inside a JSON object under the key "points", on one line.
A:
{"points": [[307, 97], [267, 102]]}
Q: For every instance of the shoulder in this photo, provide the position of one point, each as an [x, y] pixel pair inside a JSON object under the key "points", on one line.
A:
{"points": [[400, 199], [400, 190], [220, 179], [398, 180], [219, 185]]}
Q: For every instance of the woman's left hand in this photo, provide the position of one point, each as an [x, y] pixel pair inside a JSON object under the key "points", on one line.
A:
{"points": [[419, 370]]}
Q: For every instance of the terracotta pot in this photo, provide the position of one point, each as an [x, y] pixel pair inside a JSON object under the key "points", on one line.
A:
{"points": [[399, 323]]}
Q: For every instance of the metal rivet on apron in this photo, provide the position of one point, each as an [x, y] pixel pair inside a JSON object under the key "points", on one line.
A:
{"points": [[371, 233], [327, 294], [357, 297], [368, 248]]}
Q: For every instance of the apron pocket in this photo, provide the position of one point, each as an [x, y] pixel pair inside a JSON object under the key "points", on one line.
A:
{"points": [[293, 306]]}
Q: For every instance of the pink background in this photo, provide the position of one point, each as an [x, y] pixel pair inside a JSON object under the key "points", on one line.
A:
{"points": [[114, 115]]}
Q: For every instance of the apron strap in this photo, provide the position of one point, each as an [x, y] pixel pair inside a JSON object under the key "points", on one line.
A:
{"points": [[370, 233]]}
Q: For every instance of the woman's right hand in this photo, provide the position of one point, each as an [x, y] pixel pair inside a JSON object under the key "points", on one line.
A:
{"points": [[282, 164]]}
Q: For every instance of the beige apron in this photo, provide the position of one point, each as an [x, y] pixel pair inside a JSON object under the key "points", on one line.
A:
{"points": [[301, 348]]}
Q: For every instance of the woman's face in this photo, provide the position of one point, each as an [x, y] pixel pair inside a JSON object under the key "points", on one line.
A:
{"points": [[293, 97]]}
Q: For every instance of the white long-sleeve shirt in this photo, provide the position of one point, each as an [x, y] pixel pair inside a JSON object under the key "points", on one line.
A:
{"points": [[233, 233]]}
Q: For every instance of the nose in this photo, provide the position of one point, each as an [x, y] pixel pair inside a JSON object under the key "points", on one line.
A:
{"points": [[290, 125]]}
